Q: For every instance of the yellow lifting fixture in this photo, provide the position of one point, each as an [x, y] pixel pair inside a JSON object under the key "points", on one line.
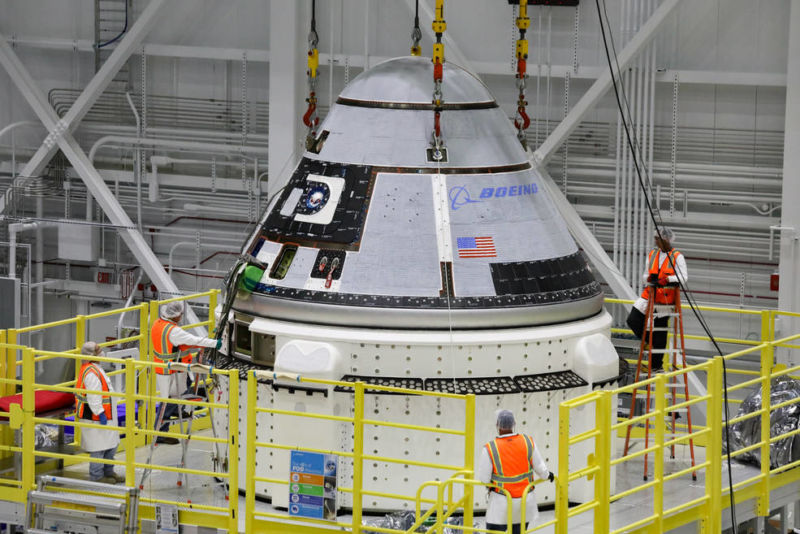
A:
{"points": [[439, 26], [521, 119], [310, 118]]}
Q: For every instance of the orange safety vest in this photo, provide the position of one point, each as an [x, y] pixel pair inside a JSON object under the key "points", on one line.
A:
{"points": [[164, 349], [81, 402], [664, 295], [512, 463]]}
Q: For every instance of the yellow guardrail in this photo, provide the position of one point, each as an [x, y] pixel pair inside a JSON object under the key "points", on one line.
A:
{"points": [[453, 494], [706, 509]]}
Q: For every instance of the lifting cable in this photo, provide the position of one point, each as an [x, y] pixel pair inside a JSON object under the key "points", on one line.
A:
{"points": [[521, 119], [636, 156], [416, 34], [439, 26], [310, 118]]}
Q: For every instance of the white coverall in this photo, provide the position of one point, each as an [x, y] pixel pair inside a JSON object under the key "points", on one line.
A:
{"points": [[496, 511], [95, 439], [174, 385]]}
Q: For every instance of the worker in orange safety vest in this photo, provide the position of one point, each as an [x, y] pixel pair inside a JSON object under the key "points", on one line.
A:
{"points": [[97, 408], [509, 462], [665, 266], [171, 343]]}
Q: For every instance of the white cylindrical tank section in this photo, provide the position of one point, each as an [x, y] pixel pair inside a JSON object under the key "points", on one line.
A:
{"points": [[559, 361]]}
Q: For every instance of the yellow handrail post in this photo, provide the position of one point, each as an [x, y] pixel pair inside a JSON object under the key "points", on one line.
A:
{"points": [[7, 370], [658, 460], [130, 422], [712, 522], [469, 456], [80, 331], [233, 450], [144, 350], [358, 453], [767, 362], [562, 483], [28, 409], [212, 305], [250, 456], [602, 480], [150, 376], [80, 339]]}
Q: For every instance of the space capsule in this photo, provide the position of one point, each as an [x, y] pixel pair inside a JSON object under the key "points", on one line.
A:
{"points": [[392, 263]]}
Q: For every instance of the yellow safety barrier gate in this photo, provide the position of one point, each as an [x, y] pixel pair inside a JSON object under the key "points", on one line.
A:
{"points": [[435, 501]]}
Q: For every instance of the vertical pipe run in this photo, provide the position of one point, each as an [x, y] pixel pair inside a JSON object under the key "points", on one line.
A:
{"points": [[366, 34], [648, 228]]}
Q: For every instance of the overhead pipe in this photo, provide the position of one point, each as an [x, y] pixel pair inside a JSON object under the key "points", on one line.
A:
{"points": [[220, 248], [193, 146], [160, 161]]}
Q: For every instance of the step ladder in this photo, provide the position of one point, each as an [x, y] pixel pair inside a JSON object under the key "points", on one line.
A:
{"points": [[69, 505], [201, 373], [678, 385]]}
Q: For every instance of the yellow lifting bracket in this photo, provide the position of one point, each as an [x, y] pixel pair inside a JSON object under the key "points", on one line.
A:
{"points": [[439, 26], [521, 119]]}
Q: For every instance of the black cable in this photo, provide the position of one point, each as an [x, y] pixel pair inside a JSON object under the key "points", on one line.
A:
{"points": [[124, 29], [658, 222]]}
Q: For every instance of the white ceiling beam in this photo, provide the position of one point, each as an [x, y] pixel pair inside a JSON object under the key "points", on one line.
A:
{"points": [[91, 93], [598, 90], [500, 68], [586, 240], [61, 137]]}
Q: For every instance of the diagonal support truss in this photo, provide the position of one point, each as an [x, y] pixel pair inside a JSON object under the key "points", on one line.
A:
{"points": [[61, 137], [122, 52], [601, 86], [597, 255]]}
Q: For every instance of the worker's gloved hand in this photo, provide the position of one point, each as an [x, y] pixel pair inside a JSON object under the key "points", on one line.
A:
{"points": [[663, 281], [103, 418], [652, 279], [551, 476], [219, 344]]}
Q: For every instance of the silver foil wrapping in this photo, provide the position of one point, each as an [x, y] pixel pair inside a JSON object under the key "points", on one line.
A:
{"points": [[782, 420]]}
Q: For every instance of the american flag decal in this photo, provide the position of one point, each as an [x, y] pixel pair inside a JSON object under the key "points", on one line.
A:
{"points": [[476, 247]]}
